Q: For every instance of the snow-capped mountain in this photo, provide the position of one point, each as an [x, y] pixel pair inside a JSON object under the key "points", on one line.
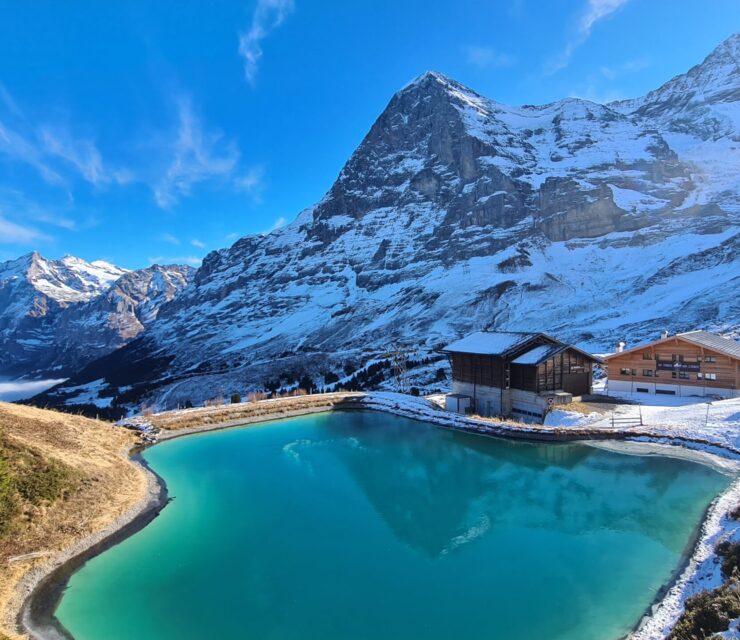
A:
{"points": [[57, 315], [591, 222]]}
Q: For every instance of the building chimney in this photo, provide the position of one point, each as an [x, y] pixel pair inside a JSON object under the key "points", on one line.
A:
{"points": [[620, 346], [664, 334]]}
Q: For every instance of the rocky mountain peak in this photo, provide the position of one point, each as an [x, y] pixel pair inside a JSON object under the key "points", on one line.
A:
{"points": [[458, 213], [728, 50], [702, 101], [57, 314]]}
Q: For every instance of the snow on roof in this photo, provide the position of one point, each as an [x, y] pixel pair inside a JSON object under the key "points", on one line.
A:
{"points": [[538, 354], [489, 343], [712, 341]]}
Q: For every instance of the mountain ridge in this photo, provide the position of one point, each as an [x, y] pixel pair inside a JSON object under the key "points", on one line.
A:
{"points": [[457, 213], [56, 315]]}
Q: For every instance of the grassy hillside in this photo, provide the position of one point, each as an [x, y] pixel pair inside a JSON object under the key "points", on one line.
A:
{"points": [[62, 478]]}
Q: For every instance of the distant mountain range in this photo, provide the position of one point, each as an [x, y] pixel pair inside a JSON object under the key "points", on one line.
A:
{"points": [[593, 222], [58, 315]]}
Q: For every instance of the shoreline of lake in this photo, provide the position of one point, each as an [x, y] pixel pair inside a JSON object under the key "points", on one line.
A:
{"points": [[43, 588]]}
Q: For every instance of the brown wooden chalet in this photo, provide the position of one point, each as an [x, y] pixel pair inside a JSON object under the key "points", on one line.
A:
{"points": [[686, 364], [519, 374]]}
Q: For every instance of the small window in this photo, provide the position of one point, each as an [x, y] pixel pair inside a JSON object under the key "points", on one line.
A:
{"points": [[698, 358], [699, 375], [625, 372], [683, 375], [648, 373], [642, 389], [710, 359], [666, 392], [646, 355], [710, 376]]}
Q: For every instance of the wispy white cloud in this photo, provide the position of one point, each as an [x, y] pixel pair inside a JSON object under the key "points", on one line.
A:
{"points": [[169, 239], [81, 154], [486, 57], [16, 202], [193, 261], [630, 66], [41, 146], [198, 244], [595, 11], [591, 91], [280, 222], [252, 182], [267, 16], [13, 233], [252, 179], [197, 155], [9, 102], [19, 147], [232, 236]]}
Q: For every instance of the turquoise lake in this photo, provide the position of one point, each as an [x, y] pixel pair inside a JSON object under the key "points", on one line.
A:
{"points": [[363, 525]]}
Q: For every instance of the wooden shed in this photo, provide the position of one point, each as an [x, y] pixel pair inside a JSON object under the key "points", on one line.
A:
{"points": [[519, 374]]}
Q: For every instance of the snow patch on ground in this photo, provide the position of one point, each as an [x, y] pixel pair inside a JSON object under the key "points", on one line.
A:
{"points": [[89, 394], [563, 418]]}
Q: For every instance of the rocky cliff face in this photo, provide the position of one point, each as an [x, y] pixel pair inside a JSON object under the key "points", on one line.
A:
{"points": [[592, 222], [58, 315]]}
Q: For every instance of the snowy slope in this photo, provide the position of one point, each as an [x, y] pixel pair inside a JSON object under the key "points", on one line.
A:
{"points": [[34, 284], [457, 213], [56, 315]]}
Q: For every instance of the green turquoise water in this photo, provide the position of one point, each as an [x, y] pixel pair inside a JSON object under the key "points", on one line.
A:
{"points": [[353, 525]]}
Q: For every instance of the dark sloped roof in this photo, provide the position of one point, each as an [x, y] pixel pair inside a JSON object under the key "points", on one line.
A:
{"points": [[712, 341], [539, 353], [512, 343]]}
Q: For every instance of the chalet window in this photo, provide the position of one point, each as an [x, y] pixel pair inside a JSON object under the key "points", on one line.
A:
{"points": [[699, 375], [642, 389], [646, 355], [681, 375], [710, 376], [648, 373], [625, 372], [676, 357], [710, 359]]}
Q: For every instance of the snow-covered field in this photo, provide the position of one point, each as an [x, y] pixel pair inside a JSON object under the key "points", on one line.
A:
{"points": [[717, 421]]}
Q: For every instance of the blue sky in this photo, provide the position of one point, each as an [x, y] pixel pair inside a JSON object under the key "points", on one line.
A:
{"points": [[138, 131]]}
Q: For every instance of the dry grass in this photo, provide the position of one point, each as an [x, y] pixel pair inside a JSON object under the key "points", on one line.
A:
{"points": [[583, 407], [213, 415], [106, 484]]}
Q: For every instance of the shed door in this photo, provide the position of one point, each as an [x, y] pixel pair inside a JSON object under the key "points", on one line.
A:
{"points": [[576, 383]]}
